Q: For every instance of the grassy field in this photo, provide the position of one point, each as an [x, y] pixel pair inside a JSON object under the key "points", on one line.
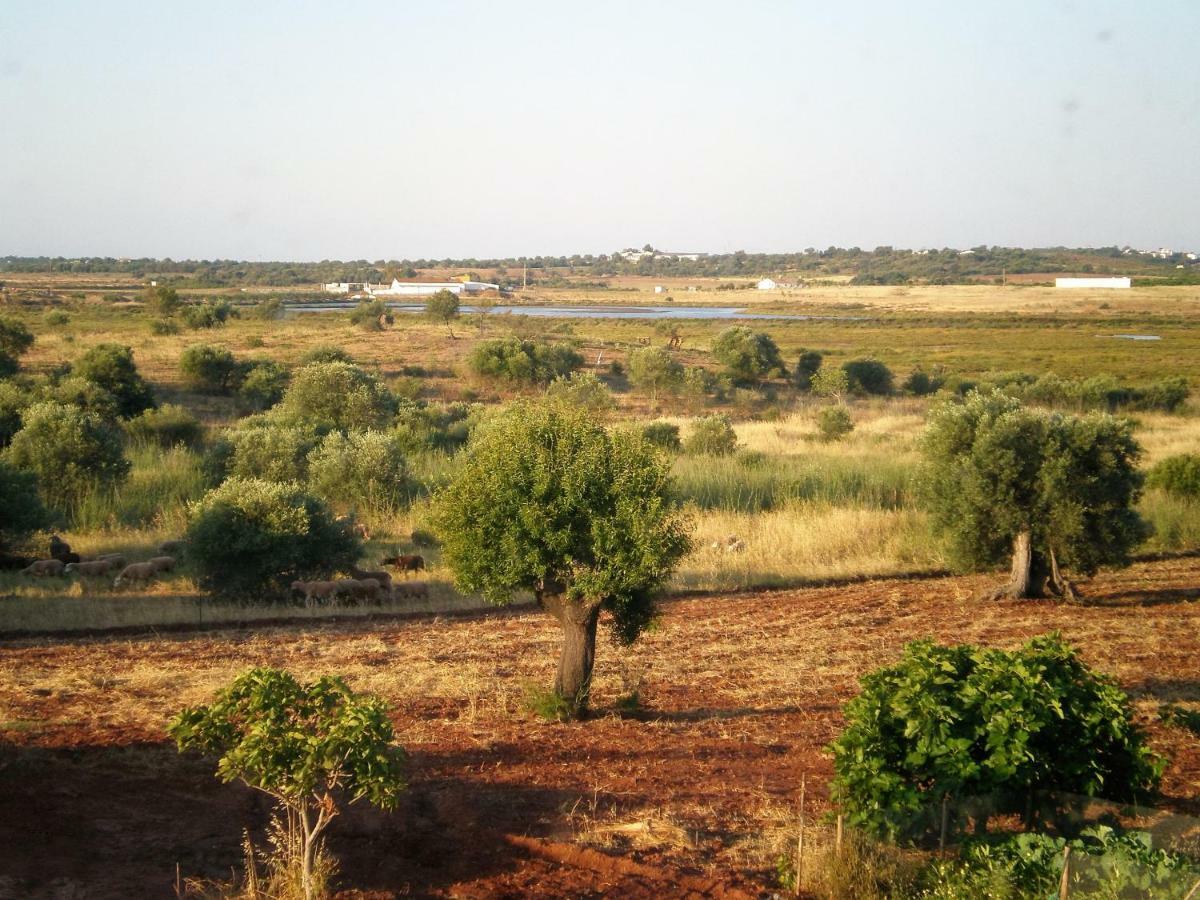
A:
{"points": [[805, 511]]}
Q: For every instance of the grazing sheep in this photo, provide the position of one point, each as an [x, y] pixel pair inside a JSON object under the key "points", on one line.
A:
{"points": [[171, 548], [162, 563], [405, 562], [91, 568], [115, 560], [44, 567], [316, 590], [415, 590], [60, 548], [136, 572], [384, 579], [736, 547]]}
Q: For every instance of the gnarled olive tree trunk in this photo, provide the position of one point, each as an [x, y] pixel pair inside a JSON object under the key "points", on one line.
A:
{"points": [[578, 619], [1035, 574]]}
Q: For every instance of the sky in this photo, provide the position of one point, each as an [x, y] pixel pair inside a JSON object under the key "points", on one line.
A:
{"points": [[392, 130]]}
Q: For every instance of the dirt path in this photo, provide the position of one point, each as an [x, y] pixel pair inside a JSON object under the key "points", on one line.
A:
{"points": [[691, 793]]}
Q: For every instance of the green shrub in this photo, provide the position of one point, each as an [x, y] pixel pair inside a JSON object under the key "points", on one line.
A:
{"points": [[1178, 475], [711, 436], [208, 368], [336, 395], [160, 300], [263, 385], [210, 314], [21, 509], [966, 721], [85, 395], [268, 310], [443, 307], [584, 390], [13, 401], [747, 355], [364, 469], [868, 376], [163, 327], [526, 362], [249, 539], [308, 746], [1167, 394], [71, 452], [15, 340], [834, 423], [920, 384], [807, 366], [166, 426], [663, 434], [56, 318], [270, 450], [653, 369], [111, 367]]}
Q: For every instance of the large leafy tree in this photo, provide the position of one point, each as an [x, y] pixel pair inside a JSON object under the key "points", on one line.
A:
{"points": [[305, 745], [548, 501], [653, 369], [443, 307], [1047, 491]]}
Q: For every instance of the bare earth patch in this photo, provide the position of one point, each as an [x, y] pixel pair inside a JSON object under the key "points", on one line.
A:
{"points": [[694, 793]]}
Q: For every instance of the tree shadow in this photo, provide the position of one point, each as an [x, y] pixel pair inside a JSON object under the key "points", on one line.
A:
{"points": [[116, 821], [1140, 597]]}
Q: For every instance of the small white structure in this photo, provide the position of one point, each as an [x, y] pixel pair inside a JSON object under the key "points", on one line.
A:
{"points": [[1103, 283], [345, 287], [658, 289], [767, 285]]}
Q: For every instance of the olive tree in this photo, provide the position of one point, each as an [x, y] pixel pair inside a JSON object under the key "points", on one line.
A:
{"points": [[336, 395], [550, 502], [653, 369], [305, 745], [1049, 492], [72, 452]]}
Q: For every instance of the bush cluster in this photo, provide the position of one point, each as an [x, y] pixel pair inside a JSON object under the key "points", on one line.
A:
{"points": [[523, 362], [711, 436]]}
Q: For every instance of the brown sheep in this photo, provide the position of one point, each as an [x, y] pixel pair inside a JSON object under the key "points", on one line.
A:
{"points": [[162, 563], [136, 572], [384, 579], [91, 569], [44, 567], [358, 589], [114, 560], [405, 562]]}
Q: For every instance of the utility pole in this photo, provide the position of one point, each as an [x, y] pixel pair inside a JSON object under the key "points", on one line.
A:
{"points": [[524, 275]]}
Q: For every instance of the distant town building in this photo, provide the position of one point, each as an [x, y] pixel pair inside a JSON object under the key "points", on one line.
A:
{"points": [[400, 288], [1092, 282], [630, 254], [767, 284]]}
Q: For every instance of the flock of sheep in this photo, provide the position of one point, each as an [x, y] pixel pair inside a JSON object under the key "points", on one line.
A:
{"points": [[65, 562], [365, 585]]}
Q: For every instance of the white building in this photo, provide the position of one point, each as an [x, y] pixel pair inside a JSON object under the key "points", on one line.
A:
{"points": [[767, 285], [400, 288], [1107, 283]]}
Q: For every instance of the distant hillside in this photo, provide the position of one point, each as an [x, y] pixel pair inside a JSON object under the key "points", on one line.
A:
{"points": [[883, 265]]}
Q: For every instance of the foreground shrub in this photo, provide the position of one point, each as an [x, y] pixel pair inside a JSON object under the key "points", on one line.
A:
{"points": [[526, 362], [325, 354], [261, 447], [21, 509], [711, 436], [71, 452], [422, 427], [748, 355], [1177, 475], [363, 469], [338, 395], [964, 721], [305, 745], [249, 539], [548, 501], [868, 376], [664, 435], [166, 426], [1103, 864], [111, 367], [834, 423]]}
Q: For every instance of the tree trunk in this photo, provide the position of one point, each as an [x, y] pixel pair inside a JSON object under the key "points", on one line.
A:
{"points": [[578, 619], [1035, 574]]}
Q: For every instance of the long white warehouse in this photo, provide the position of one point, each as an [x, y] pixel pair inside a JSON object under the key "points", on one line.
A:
{"points": [[409, 288], [1092, 282]]}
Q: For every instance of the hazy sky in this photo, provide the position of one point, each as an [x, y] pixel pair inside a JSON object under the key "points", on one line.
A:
{"points": [[291, 130]]}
